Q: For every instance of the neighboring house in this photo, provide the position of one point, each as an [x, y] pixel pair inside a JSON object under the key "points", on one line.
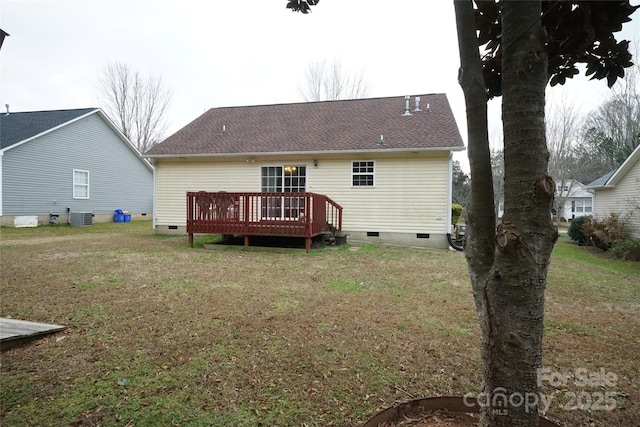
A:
{"points": [[575, 198], [386, 161], [53, 163], [573, 195], [619, 192]]}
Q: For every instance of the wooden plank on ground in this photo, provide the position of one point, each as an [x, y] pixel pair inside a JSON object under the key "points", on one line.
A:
{"points": [[14, 331]]}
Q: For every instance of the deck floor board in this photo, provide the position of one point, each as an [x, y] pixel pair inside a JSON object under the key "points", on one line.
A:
{"points": [[15, 331]]}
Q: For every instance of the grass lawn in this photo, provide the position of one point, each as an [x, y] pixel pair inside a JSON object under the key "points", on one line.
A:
{"points": [[159, 333]]}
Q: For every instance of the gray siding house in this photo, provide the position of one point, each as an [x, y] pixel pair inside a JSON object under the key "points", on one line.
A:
{"points": [[66, 164]]}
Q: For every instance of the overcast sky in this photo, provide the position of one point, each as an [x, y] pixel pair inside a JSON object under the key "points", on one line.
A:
{"points": [[222, 53]]}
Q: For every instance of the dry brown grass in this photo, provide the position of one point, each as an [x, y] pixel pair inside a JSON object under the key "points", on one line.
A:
{"points": [[159, 333]]}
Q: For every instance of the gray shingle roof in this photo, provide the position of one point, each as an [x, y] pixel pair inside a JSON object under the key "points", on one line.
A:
{"points": [[601, 181], [329, 126], [16, 127]]}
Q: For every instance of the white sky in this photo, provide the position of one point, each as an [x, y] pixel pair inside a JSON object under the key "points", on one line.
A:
{"points": [[221, 53]]}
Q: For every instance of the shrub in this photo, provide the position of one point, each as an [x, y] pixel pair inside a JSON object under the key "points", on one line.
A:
{"points": [[627, 250], [576, 231], [456, 212], [606, 232]]}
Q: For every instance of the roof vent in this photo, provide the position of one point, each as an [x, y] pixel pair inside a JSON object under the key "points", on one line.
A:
{"points": [[417, 99], [428, 109], [7, 105], [406, 106], [224, 130], [381, 142]]}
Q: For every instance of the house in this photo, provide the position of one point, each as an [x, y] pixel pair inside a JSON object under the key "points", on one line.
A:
{"points": [[385, 161], [65, 164], [574, 199], [619, 192]]}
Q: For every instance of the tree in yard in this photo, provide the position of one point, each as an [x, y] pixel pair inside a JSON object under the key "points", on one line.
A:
{"points": [[138, 106], [562, 133], [613, 130], [497, 169], [327, 81], [527, 44], [461, 185]]}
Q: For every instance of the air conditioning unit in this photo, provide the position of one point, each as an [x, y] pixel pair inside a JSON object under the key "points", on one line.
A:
{"points": [[80, 219]]}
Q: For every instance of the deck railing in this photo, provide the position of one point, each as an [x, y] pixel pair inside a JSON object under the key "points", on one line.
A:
{"points": [[262, 214]]}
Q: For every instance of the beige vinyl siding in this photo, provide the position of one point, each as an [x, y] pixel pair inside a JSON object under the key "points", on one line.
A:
{"points": [[174, 180], [623, 199], [410, 193]]}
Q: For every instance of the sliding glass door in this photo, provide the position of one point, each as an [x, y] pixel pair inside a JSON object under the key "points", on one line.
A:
{"points": [[283, 179]]}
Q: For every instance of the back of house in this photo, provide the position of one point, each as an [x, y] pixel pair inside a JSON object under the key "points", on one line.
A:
{"points": [[386, 161]]}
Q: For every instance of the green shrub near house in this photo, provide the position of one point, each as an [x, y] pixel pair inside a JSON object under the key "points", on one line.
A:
{"points": [[628, 250], [576, 230], [456, 212]]}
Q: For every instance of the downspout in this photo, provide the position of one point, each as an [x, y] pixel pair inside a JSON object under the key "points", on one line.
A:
{"points": [[155, 187], [449, 195]]}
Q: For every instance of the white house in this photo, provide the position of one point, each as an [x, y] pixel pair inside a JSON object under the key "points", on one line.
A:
{"points": [[386, 161], [574, 197]]}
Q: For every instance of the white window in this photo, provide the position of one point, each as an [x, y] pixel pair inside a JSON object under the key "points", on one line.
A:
{"points": [[587, 206], [80, 184], [363, 173], [581, 206]]}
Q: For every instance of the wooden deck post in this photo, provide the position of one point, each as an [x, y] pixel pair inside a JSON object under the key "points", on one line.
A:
{"points": [[246, 240]]}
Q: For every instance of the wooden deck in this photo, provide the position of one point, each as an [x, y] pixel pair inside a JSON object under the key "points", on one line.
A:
{"points": [[303, 215], [15, 332]]}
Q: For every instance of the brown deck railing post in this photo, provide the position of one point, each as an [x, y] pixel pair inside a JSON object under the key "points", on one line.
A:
{"points": [[190, 217]]}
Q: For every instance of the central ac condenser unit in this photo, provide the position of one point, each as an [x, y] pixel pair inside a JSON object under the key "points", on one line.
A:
{"points": [[79, 219]]}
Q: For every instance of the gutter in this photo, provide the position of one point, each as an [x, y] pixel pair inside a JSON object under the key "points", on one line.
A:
{"points": [[291, 153]]}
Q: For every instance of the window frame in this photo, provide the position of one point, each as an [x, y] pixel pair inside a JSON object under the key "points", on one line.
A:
{"points": [[77, 185], [363, 175]]}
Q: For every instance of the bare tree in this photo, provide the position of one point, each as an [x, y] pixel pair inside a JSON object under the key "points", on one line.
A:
{"points": [[327, 81], [137, 105], [613, 130], [497, 168], [562, 131], [461, 185]]}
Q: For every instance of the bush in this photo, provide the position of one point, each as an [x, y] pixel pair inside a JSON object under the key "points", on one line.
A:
{"points": [[456, 211], [627, 250], [606, 232], [576, 231]]}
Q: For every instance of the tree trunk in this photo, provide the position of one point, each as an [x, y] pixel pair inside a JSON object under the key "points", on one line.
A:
{"points": [[526, 235], [508, 266]]}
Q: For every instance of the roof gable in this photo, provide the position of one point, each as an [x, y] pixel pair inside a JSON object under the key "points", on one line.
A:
{"points": [[328, 126], [18, 127], [613, 177]]}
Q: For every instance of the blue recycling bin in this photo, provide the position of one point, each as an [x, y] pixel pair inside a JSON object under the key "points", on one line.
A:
{"points": [[118, 216]]}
